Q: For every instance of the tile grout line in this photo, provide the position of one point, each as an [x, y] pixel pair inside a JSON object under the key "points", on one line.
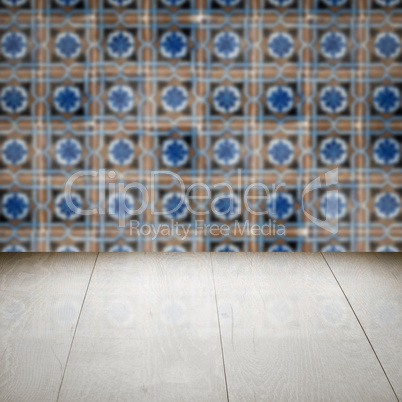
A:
{"points": [[219, 327], [361, 326], [76, 326]]}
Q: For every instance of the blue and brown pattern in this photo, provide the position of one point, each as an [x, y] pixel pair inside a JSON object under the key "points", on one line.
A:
{"points": [[273, 93]]}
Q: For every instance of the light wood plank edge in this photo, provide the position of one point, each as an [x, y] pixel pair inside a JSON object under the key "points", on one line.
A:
{"points": [[360, 324], [219, 324], [76, 325], [105, 258]]}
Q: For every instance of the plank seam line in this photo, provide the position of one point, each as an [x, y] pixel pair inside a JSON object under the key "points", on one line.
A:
{"points": [[361, 326], [219, 327], [76, 326]]}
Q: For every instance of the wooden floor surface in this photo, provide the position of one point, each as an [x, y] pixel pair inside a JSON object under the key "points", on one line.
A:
{"points": [[200, 327]]}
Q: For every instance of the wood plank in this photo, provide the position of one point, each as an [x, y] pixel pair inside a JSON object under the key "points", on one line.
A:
{"points": [[373, 285], [148, 331], [40, 299], [288, 332]]}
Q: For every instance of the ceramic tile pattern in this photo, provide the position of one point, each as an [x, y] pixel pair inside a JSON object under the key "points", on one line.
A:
{"points": [[285, 90]]}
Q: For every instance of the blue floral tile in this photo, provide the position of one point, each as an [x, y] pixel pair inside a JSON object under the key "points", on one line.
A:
{"points": [[121, 99], [121, 206], [226, 206], [15, 206], [333, 45], [227, 152], [14, 248], [67, 99], [386, 99], [173, 3], [120, 3], [14, 99], [120, 45], [174, 206], [227, 99], [175, 152], [387, 45], [333, 99], [121, 152], [14, 3], [281, 205], [280, 152], [66, 208], [280, 45], [387, 249], [227, 248], [280, 99], [67, 249], [387, 151], [68, 45], [280, 248], [334, 248], [334, 205], [174, 249], [388, 3], [387, 205], [14, 152], [272, 125], [333, 151], [227, 45], [174, 98], [67, 3], [14, 45], [120, 248], [68, 151], [173, 45], [281, 3]]}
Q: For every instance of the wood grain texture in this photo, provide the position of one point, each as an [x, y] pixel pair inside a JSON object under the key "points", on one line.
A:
{"points": [[148, 331], [289, 334], [373, 285], [40, 299]]}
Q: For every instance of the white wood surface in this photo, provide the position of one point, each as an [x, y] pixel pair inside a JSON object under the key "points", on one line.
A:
{"points": [[148, 331], [40, 300], [289, 334], [373, 285]]}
